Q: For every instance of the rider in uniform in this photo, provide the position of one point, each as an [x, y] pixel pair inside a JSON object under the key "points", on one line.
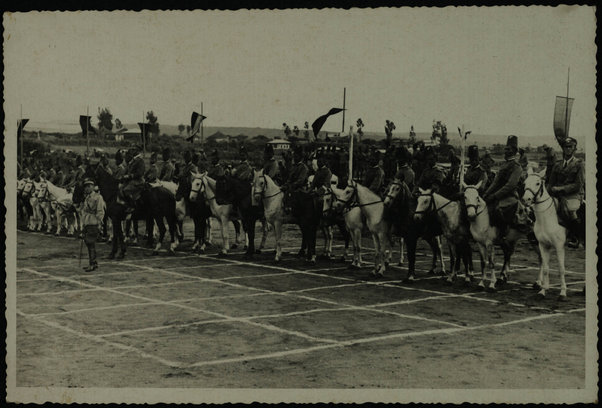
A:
{"points": [[502, 193], [297, 178], [475, 174], [134, 179], [432, 175], [270, 166], [375, 176], [404, 171], [322, 177], [167, 170], [567, 183], [152, 174], [550, 161], [243, 171], [120, 166]]}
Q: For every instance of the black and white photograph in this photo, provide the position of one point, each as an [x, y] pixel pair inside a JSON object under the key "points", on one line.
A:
{"points": [[301, 205]]}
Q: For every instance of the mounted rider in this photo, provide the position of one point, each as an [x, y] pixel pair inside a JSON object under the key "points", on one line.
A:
{"points": [[168, 169], [375, 175], [120, 166], [152, 174], [567, 184], [134, 179], [550, 161], [404, 171], [502, 193], [270, 166], [322, 178], [297, 178], [243, 171], [475, 173], [432, 176]]}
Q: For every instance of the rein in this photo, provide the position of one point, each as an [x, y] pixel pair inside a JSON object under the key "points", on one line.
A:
{"points": [[432, 204], [539, 193], [475, 206], [262, 192]]}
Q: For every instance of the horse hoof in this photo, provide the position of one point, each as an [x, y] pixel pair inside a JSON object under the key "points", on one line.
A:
{"points": [[563, 298], [120, 256], [111, 256], [431, 271], [245, 248], [155, 253], [410, 279], [541, 295], [491, 289], [536, 286], [221, 255], [234, 246], [353, 266], [258, 251]]}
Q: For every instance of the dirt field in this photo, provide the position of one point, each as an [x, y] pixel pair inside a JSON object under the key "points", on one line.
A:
{"points": [[203, 321]]}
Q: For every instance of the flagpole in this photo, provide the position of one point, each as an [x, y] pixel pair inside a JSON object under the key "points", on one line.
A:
{"points": [[566, 110], [202, 138], [21, 135], [463, 145], [87, 131], [142, 131], [350, 153], [344, 95]]}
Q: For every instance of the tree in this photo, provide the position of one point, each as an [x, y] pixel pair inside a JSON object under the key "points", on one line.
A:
{"points": [[359, 124], [118, 124], [152, 121], [181, 128], [296, 131], [287, 130], [105, 120], [389, 128]]}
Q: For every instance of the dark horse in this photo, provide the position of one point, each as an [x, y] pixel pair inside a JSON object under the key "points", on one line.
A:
{"points": [[249, 213], [399, 212], [154, 205]]}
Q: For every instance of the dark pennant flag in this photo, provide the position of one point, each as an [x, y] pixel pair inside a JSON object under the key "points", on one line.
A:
{"points": [[195, 125], [86, 125], [145, 129], [20, 125], [318, 123]]}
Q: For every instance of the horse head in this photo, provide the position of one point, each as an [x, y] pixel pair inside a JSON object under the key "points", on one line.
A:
{"points": [[424, 204], [392, 191], [472, 200], [534, 187], [258, 187], [344, 198], [197, 185]]}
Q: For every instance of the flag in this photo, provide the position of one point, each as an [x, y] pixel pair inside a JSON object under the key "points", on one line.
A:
{"points": [[195, 125], [318, 123], [562, 117], [86, 125], [145, 129], [20, 125]]}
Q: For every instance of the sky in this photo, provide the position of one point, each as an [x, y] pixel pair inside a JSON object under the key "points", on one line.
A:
{"points": [[495, 70]]}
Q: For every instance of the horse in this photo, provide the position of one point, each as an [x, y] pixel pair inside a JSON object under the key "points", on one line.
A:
{"points": [[353, 219], [448, 213], [399, 210], [24, 190], [36, 220], [486, 235], [203, 185], [372, 210], [198, 210], [307, 214], [549, 233], [61, 202]]}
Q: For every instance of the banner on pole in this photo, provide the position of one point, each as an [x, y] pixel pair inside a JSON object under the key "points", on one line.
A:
{"points": [[20, 125], [195, 125], [318, 123], [86, 125], [562, 117]]}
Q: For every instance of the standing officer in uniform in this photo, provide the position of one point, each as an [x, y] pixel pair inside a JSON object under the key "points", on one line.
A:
{"points": [[567, 183], [270, 166], [134, 179], [475, 174], [404, 171], [502, 192], [375, 176], [167, 170], [92, 215]]}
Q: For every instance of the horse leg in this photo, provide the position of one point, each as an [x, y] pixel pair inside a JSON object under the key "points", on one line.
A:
{"points": [[224, 232], [452, 256], [249, 225], [150, 231], [544, 277], [440, 253], [560, 255], [264, 233], [237, 233], [381, 240], [401, 251], [59, 220], [483, 249], [278, 235], [411, 244], [161, 226]]}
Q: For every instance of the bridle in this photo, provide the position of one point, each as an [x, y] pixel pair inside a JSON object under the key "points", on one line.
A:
{"points": [[475, 206], [393, 196], [432, 206], [539, 193], [261, 193]]}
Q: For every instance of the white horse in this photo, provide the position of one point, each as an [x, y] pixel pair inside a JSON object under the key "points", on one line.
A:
{"points": [[372, 211], [224, 213], [549, 233], [352, 215], [268, 193], [61, 201], [37, 219], [486, 235]]}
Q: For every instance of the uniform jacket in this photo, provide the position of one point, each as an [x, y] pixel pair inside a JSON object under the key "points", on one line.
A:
{"points": [[406, 174], [152, 173], [474, 175], [374, 179], [270, 168], [136, 168], [506, 181], [322, 178], [431, 178], [570, 179], [216, 172], [244, 172], [93, 210], [167, 171], [120, 171], [298, 176]]}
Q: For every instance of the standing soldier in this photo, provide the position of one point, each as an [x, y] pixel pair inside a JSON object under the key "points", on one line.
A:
{"points": [[168, 169], [503, 191], [134, 179], [475, 174], [297, 178], [375, 176], [152, 174], [567, 183], [432, 176], [270, 166], [91, 217], [404, 171]]}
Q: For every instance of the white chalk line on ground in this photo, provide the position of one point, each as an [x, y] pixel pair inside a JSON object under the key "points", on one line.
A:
{"points": [[221, 315]]}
